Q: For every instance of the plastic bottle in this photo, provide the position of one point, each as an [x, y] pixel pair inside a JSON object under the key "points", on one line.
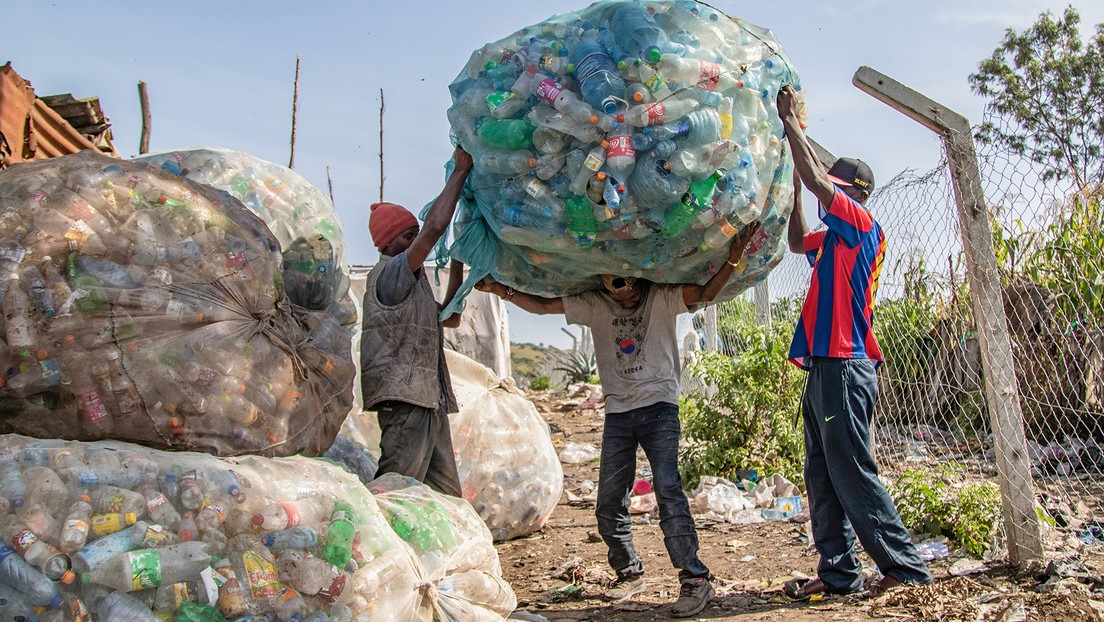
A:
{"points": [[15, 606], [11, 256], [690, 72], [504, 104], [306, 573], [591, 165], [159, 508], [726, 119], [660, 112], [145, 535], [290, 605], [170, 597], [42, 298], [40, 554], [146, 568], [20, 575], [612, 191], [548, 165], [549, 141], [513, 134], [42, 523], [701, 160], [112, 522], [256, 569], [108, 499], [654, 82], [507, 162], [11, 483], [636, 33], [679, 215], [307, 511], [580, 221], [117, 606], [339, 537], [95, 418], [74, 531], [98, 551], [620, 155], [653, 186], [188, 529], [299, 537], [38, 377], [212, 514], [231, 593], [44, 488], [17, 315], [191, 493], [719, 234], [550, 118], [596, 73]]}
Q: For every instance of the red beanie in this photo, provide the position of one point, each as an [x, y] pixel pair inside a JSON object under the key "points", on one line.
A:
{"points": [[387, 221]]}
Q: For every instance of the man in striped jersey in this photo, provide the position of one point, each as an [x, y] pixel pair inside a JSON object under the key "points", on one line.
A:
{"points": [[835, 343]]}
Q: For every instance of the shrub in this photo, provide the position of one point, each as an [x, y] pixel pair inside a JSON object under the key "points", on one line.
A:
{"points": [[747, 418], [929, 502], [540, 383]]}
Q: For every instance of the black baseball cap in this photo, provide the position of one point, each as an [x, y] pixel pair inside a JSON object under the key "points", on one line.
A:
{"points": [[852, 172]]}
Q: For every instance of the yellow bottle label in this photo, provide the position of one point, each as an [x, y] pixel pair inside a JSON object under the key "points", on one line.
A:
{"points": [[726, 125], [261, 573]]}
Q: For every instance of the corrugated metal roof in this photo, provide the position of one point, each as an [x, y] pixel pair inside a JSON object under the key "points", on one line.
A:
{"points": [[32, 130]]}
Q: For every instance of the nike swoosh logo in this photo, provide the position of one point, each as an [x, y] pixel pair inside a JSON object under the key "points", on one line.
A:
{"points": [[827, 419]]}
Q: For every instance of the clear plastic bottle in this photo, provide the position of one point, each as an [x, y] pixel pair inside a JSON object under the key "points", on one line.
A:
{"points": [[188, 529], [146, 568], [511, 134], [507, 162], [550, 118], [74, 531], [304, 572], [696, 162], [11, 483], [232, 599], [653, 185], [719, 234], [591, 165], [212, 514], [41, 296], [549, 164], [689, 72], [660, 112], [596, 72], [159, 507], [39, 376], [95, 418], [14, 605], [98, 551], [550, 141], [112, 522], [17, 315], [45, 488], [290, 605], [117, 606], [40, 554], [298, 537], [28, 580], [107, 499], [636, 33], [307, 511]]}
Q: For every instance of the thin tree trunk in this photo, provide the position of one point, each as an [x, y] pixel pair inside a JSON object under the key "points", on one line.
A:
{"points": [[294, 112], [147, 121], [381, 144], [329, 180]]}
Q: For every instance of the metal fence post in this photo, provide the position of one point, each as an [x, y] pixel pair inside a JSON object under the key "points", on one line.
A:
{"points": [[1017, 492]]}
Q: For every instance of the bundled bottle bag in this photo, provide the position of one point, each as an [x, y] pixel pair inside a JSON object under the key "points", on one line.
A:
{"points": [[301, 217], [142, 306], [634, 138], [508, 467], [454, 546], [130, 533]]}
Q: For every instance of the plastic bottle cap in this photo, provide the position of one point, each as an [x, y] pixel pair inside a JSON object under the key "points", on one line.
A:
{"points": [[130, 518], [68, 577], [601, 175], [86, 577], [257, 520], [269, 540], [638, 96]]}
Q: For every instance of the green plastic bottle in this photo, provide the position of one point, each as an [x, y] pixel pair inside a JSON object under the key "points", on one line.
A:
{"points": [[339, 539], [580, 221], [507, 133], [194, 612], [700, 194], [96, 302]]}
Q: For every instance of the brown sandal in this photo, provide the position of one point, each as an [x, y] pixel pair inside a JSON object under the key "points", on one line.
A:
{"points": [[883, 585], [802, 588]]}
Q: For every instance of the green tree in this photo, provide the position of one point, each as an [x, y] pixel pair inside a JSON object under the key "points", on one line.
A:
{"points": [[1048, 86]]}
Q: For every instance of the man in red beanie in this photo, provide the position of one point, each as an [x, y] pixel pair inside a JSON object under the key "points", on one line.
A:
{"points": [[403, 374]]}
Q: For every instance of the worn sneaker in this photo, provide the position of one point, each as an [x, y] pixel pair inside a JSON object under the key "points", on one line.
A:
{"points": [[626, 588], [693, 597]]}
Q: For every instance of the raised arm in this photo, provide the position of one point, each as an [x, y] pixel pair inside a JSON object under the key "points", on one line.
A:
{"points": [[695, 294], [806, 164], [528, 302], [456, 279], [440, 213], [797, 228]]}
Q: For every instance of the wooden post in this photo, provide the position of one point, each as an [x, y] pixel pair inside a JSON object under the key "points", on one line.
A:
{"points": [[294, 112], [1021, 523], [147, 121], [381, 144]]}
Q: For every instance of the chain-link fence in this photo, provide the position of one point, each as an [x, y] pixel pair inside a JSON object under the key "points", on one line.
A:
{"points": [[933, 408]]}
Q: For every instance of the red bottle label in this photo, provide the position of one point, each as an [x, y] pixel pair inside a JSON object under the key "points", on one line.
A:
{"points": [[620, 146], [548, 91]]}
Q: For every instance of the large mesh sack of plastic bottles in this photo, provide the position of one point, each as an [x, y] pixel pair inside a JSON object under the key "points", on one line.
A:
{"points": [[508, 466], [124, 532], [300, 215], [145, 307], [631, 138], [453, 545]]}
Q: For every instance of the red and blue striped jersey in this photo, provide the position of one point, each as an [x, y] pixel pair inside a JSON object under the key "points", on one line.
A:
{"points": [[838, 314]]}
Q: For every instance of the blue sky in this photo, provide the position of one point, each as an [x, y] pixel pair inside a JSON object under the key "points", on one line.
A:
{"points": [[221, 74]]}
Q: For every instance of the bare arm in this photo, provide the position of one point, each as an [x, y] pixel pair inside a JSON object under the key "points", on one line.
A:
{"points": [[806, 164], [528, 302], [797, 227], [695, 294], [456, 279], [440, 213]]}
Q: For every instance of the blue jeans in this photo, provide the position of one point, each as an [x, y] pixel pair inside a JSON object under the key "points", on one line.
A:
{"points": [[656, 429], [846, 498]]}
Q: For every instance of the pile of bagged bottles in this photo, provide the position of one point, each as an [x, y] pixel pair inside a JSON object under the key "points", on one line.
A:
{"points": [[630, 137], [300, 216], [509, 470], [123, 532], [142, 306]]}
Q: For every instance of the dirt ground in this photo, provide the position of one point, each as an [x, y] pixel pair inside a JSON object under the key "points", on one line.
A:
{"points": [[560, 572]]}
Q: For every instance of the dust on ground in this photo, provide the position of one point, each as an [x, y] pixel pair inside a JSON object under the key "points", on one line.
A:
{"points": [[561, 573]]}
